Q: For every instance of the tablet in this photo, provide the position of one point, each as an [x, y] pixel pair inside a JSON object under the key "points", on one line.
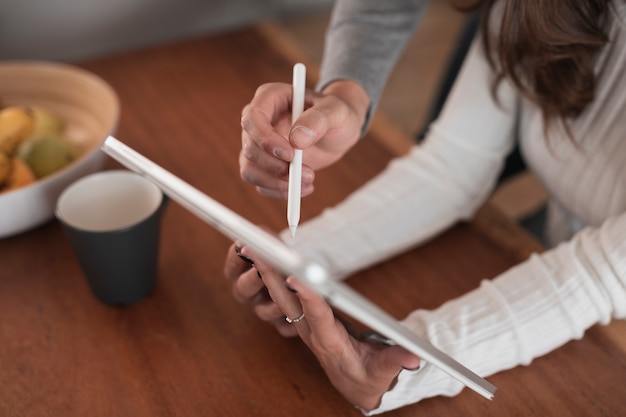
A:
{"points": [[290, 262]]}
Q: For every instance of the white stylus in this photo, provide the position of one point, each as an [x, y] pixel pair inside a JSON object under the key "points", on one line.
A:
{"points": [[295, 166]]}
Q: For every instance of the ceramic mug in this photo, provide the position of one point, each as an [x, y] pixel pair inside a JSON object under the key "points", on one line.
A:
{"points": [[112, 220]]}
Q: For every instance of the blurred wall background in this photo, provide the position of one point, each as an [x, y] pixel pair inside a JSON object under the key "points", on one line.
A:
{"points": [[69, 30]]}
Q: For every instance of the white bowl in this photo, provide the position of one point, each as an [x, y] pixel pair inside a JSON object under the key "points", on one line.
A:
{"points": [[90, 108]]}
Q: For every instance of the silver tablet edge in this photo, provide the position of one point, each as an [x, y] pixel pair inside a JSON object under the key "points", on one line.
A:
{"points": [[290, 262]]}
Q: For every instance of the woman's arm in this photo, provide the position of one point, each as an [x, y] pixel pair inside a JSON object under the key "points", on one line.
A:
{"points": [[524, 313]]}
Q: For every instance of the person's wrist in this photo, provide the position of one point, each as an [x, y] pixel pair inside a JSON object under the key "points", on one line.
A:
{"points": [[353, 94]]}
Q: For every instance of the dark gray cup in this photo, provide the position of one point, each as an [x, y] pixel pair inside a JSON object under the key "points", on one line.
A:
{"points": [[112, 220]]}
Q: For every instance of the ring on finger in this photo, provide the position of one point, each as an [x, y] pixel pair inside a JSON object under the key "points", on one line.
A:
{"points": [[296, 319]]}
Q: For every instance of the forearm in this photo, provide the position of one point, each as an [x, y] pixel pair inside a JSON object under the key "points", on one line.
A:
{"points": [[524, 313], [365, 39], [415, 198]]}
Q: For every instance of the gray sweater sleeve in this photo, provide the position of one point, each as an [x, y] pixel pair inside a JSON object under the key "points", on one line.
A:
{"points": [[364, 40]]}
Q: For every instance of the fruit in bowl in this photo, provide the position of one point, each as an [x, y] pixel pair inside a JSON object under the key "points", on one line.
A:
{"points": [[31, 146], [53, 119]]}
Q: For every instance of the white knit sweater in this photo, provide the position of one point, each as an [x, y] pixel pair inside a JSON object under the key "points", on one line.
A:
{"points": [[541, 303]]}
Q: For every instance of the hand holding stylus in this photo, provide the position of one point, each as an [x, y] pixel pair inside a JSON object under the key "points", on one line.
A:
{"points": [[330, 126]]}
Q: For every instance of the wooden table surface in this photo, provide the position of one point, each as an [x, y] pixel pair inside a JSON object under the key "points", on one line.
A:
{"points": [[190, 349]]}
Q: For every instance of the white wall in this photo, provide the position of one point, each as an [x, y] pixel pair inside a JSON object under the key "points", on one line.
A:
{"points": [[75, 29]]}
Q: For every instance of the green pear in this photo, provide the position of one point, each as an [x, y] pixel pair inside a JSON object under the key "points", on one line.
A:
{"points": [[48, 154], [47, 123]]}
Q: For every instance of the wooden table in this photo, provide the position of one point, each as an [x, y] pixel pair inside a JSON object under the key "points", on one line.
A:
{"points": [[190, 349]]}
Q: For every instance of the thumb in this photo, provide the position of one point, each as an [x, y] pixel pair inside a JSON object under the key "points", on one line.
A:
{"points": [[388, 363], [311, 125], [301, 137], [392, 359]]}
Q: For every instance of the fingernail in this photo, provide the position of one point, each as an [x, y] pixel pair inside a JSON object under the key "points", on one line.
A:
{"points": [[243, 257], [307, 176], [282, 154], [290, 288], [301, 136]]}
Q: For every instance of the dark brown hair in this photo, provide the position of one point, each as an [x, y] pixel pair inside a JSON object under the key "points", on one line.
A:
{"points": [[548, 49]]}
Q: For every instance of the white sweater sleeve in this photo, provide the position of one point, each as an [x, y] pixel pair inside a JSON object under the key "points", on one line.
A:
{"points": [[524, 313]]}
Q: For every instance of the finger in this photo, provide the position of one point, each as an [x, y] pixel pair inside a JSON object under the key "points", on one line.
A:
{"points": [[272, 100], [253, 157], [270, 172], [234, 266], [271, 175], [306, 189], [275, 186], [392, 359], [319, 315], [269, 311], [247, 286], [286, 300], [267, 119], [285, 329]]}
